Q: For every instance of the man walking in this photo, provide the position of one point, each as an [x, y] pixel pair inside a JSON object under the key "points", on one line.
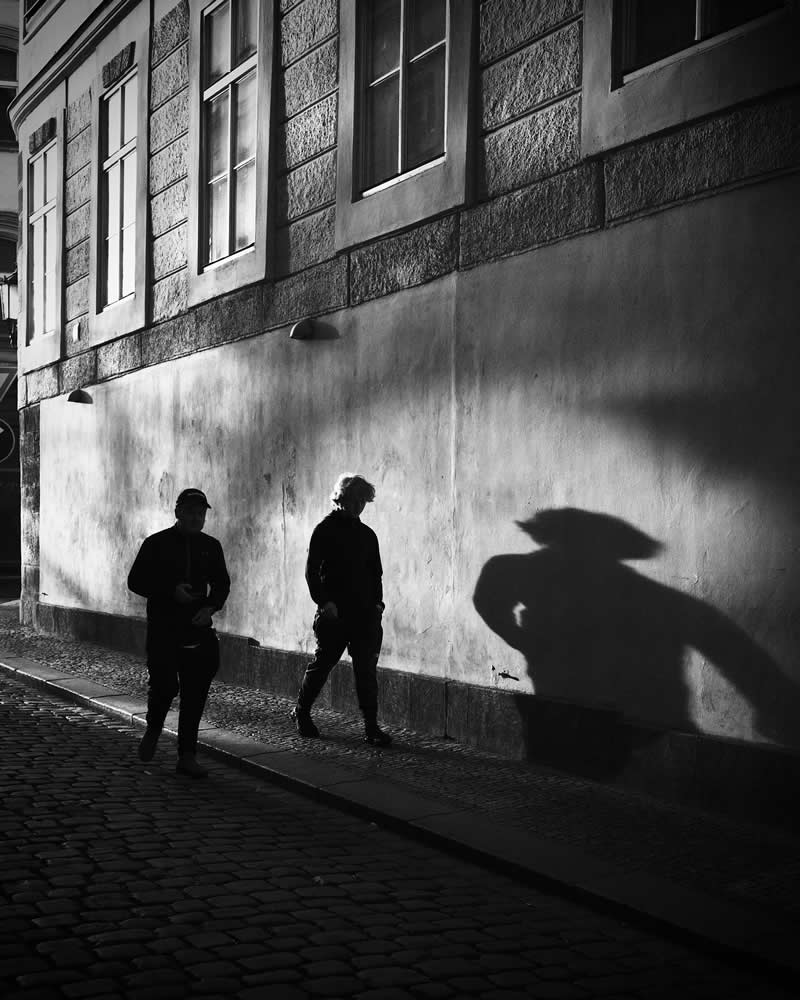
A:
{"points": [[344, 572], [181, 571]]}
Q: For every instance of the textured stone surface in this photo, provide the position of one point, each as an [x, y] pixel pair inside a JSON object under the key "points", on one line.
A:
{"points": [[120, 355], [721, 151], [170, 296], [169, 208], [508, 24], [170, 121], [79, 114], [74, 373], [169, 252], [170, 339], [305, 243], [41, 384], [309, 79], [534, 76], [76, 225], [76, 262], [115, 68], [402, 261], [77, 299], [305, 26], [545, 143], [308, 188], [77, 189], [79, 152], [169, 165], [309, 134], [169, 77], [317, 291], [553, 208], [42, 135], [169, 32]]}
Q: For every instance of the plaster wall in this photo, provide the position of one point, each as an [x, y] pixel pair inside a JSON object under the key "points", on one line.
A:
{"points": [[641, 373]]}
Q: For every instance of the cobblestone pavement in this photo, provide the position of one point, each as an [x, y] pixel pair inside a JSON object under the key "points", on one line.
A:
{"points": [[126, 880]]}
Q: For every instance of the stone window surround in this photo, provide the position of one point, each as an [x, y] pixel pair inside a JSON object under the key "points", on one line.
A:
{"points": [[427, 191], [743, 64], [127, 314], [47, 349], [251, 265]]}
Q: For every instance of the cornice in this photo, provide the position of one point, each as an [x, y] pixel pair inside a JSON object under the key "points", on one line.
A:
{"points": [[68, 58]]}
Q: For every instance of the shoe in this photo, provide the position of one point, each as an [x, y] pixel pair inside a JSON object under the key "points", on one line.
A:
{"points": [[375, 736], [147, 745], [187, 764], [304, 723]]}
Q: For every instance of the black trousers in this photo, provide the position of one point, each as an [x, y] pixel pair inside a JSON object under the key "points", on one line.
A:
{"points": [[361, 635], [173, 669]]}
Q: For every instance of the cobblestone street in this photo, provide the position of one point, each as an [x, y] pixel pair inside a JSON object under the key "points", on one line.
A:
{"points": [[125, 880]]}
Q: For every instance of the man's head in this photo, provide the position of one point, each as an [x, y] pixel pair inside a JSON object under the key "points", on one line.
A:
{"points": [[190, 510], [352, 493]]}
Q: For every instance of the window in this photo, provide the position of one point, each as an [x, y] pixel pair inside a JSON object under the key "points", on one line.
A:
{"points": [[8, 88], [650, 67], [118, 118], [231, 60], [406, 74], [43, 241]]}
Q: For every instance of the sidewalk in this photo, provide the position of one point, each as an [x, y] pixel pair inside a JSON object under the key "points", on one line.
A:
{"points": [[733, 886]]}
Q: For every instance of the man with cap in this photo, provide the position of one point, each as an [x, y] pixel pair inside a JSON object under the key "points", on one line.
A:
{"points": [[182, 573]]}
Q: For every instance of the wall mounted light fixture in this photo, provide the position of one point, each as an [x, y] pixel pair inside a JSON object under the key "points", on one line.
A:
{"points": [[79, 396], [304, 330]]}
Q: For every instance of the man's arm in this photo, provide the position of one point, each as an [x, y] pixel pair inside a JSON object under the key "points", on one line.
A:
{"points": [[220, 582], [378, 576], [316, 555], [144, 578]]}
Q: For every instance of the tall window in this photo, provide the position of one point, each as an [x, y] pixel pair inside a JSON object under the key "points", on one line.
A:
{"points": [[229, 104], [118, 191], [403, 74], [42, 241], [8, 87]]}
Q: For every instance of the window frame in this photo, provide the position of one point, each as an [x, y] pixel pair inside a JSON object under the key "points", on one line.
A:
{"points": [[7, 45], [251, 264], [701, 80], [129, 313], [46, 349], [430, 189]]}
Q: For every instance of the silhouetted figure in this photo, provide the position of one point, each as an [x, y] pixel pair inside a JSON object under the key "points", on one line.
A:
{"points": [[181, 571], [344, 577]]}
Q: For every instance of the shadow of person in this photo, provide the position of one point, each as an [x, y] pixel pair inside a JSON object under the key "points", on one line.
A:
{"points": [[595, 632]]}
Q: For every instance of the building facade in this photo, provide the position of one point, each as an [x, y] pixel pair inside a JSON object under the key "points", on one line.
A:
{"points": [[548, 251]]}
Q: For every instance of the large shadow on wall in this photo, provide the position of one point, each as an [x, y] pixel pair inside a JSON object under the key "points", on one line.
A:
{"points": [[595, 632]]}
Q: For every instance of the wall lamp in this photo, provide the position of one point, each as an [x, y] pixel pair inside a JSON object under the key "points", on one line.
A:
{"points": [[79, 396], [304, 330]]}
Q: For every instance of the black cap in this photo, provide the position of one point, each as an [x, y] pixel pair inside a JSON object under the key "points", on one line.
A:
{"points": [[192, 496]]}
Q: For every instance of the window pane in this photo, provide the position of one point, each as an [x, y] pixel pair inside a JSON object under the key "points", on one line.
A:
{"points": [[218, 43], [6, 132], [245, 40], [427, 25], [425, 112], [381, 133], [111, 269], [129, 189], [129, 126], [128, 260], [382, 37], [8, 65], [113, 122], [50, 173], [246, 118], [658, 30], [50, 271], [218, 219], [113, 179], [726, 14], [37, 275], [37, 183], [217, 136], [245, 206]]}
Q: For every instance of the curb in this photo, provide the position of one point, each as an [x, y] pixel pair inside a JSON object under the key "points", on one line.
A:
{"points": [[733, 931]]}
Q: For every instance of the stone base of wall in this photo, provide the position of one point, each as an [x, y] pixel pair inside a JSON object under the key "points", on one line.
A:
{"points": [[742, 780]]}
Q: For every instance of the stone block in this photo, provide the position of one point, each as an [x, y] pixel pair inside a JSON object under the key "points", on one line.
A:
{"points": [[169, 165], [79, 114], [169, 77], [305, 243], [119, 65], [508, 24], [308, 135], [231, 317], [560, 206], [403, 261], [169, 208], [42, 384], [319, 290], [22, 391], [119, 356], [309, 80], [170, 296], [306, 26], [77, 299], [169, 252], [735, 147], [543, 144], [77, 372], [307, 188], [78, 189], [79, 152], [170, 32], [76, 263], [538, 74], [170, 121], [171, 339], [77, 225]]}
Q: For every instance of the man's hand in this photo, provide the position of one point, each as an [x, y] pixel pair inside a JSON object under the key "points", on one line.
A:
{"points": [[203, 617], [329, 609], [184, 593]]}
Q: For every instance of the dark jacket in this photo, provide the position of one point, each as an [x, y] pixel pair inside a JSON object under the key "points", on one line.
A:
{"points": [[344, 564], [168, 558]]}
